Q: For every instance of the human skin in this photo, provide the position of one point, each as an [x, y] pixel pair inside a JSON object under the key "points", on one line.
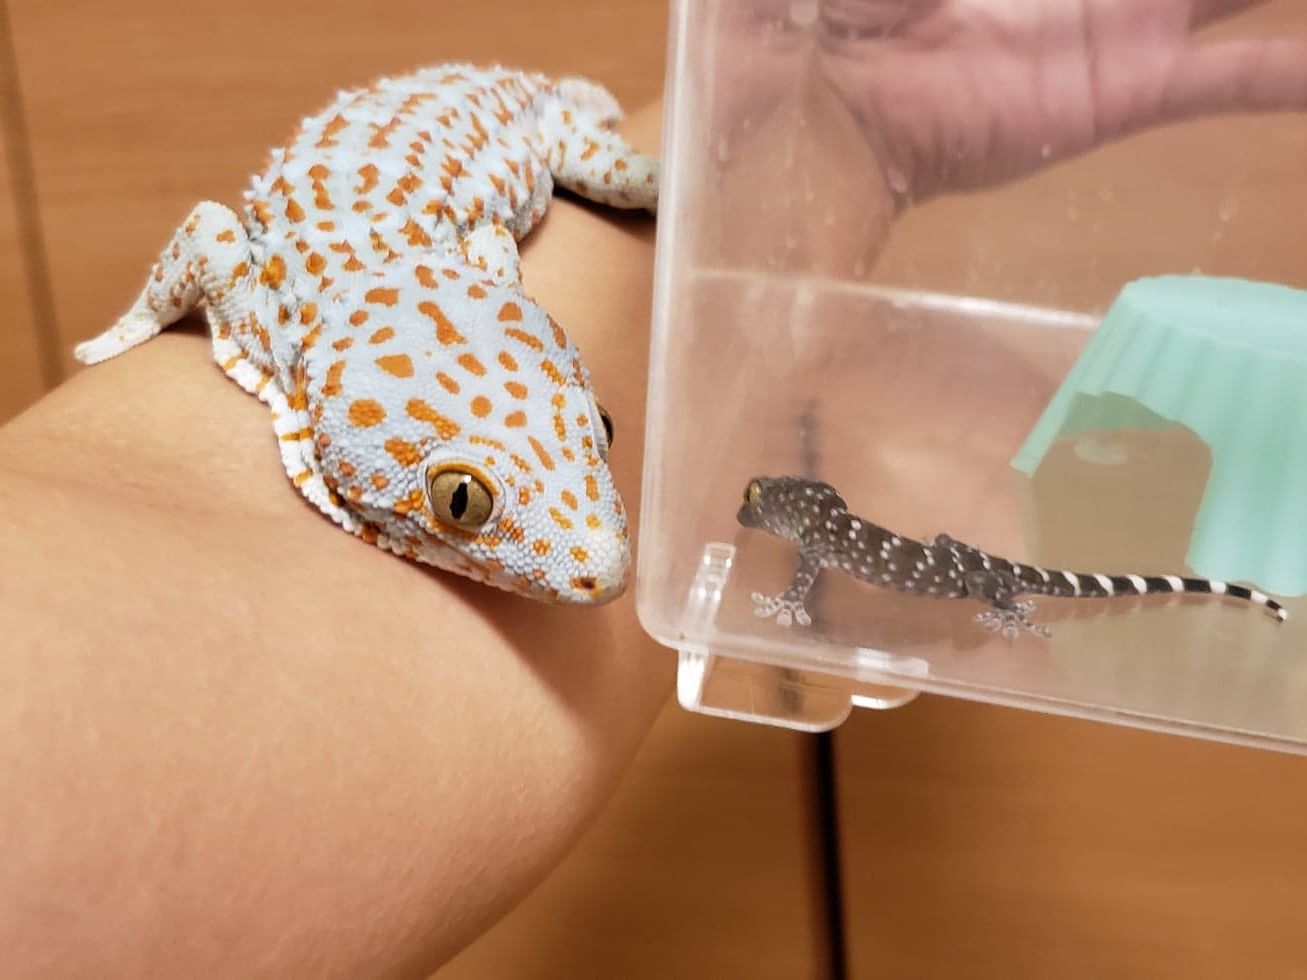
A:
{"points": [[237, 741]]}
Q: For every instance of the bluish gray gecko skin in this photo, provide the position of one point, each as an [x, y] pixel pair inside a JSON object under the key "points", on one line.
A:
{"points": [[815, 517]]}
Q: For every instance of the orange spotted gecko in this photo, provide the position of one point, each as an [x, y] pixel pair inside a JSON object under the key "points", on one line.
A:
{"points": [[814, 516], [370, 295]]}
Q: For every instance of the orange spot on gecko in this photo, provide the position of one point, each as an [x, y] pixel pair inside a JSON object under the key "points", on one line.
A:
{"points": [[380, 481], [476, 291], [331, 386], [383, 297], [365, 413], [420, 410], [316, 264], [369, 173], [560, 338], [525, 338], [470, 364], [411, 503], [516, 389], [274, 272], [541, 547], [398, 365], [524, 495], [591, 488], [481, 406], [446, 332], [227, 237], [511, 530], [358, 318], [593, 522], [552, 373], [294, 212], [545, 459], [569, 498], [344, 344], [426, 277], [581, 555], [510, 313], [507, 360], [308, 313], [382, 335], [559, 519], [448, 383], [404, 453], [515, 420]]}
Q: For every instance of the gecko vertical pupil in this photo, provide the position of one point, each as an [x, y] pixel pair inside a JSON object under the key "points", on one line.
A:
{"points": [[458, 503], [460, 499]]}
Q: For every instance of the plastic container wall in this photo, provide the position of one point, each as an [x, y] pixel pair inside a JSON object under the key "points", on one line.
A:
{"points": [[887, 231]]}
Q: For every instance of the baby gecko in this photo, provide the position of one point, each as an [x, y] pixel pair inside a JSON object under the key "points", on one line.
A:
{"points": [[814, 516], [370, 295]]}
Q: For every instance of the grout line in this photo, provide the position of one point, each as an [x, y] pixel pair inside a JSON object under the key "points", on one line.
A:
{"points": [[27, 210]]}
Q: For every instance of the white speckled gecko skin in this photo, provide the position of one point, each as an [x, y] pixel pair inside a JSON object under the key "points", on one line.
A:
{"points": [[370, 296], [814, 516]]}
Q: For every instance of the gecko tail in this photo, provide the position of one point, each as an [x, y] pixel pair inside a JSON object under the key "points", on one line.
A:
{"points": [[1077, 584]]}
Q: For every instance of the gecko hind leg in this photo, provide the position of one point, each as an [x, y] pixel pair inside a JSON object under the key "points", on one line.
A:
{"points": [[205, 260], [590, 159], [1006, 615]]}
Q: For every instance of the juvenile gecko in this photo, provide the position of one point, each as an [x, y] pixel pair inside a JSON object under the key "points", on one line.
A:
{"points": [[814, 516], [370, 296]]}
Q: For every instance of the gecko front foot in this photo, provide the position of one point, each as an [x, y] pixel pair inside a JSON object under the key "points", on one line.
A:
{"points": [[1012, 622], [786, 611]]}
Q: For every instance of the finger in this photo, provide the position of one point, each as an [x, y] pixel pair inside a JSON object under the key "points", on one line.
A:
{"points": [[1237, 76]]}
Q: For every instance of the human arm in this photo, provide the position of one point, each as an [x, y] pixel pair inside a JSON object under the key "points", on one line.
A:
{"points": [[235, 740]]}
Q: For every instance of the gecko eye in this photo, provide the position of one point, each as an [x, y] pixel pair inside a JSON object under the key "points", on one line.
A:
{"points": [[460, 499], [753, 494], [607, 421]]}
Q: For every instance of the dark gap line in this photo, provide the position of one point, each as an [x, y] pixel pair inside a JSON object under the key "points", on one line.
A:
{"points": [[27, 211], [826, 817], [823, 783]]}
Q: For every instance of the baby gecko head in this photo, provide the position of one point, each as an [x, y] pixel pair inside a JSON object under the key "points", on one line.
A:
{"points": [[457, 422], [790, 507]]}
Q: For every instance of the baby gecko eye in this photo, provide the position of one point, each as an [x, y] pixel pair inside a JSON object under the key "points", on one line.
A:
{"points": [[753, 494], [607, 421], [460, 499]]}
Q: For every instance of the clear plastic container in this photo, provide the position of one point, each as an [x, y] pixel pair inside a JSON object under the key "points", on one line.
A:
{"points": [[886, 234]]}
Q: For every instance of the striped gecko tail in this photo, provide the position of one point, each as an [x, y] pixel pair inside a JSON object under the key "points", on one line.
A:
{"points": [[1079, 584]]}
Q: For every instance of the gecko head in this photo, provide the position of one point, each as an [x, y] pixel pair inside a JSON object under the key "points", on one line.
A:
{"points": [[788, 506], [457, 423]]}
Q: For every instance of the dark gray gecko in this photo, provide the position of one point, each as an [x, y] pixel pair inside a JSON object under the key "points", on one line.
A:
{"points": [[814, 516]]}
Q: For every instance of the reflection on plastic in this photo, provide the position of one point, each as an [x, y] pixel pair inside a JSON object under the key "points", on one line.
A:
{"points": [[764, 693]]}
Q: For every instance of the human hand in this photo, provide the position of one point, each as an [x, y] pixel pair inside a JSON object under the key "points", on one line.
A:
{"points": [[961, 94]]}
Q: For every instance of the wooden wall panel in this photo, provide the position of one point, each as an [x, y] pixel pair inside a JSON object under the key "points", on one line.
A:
{"points": [[139, 109], [22, 379], [986, 842], [701, 866]]}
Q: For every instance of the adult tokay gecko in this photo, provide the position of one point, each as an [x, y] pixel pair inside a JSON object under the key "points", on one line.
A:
{"points": [[370, 295]]}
